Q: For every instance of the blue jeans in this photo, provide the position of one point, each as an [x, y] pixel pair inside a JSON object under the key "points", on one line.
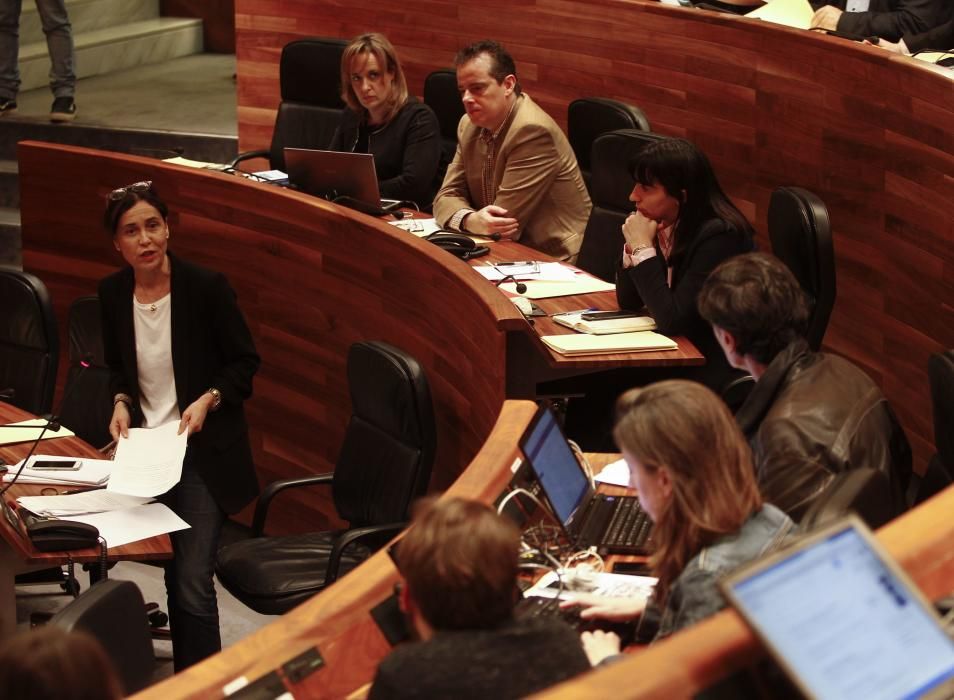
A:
{"points": [[193, 609], [59, 42]]}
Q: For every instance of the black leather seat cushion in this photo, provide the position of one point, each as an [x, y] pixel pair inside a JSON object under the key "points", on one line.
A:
{"points": [[274, 574]]}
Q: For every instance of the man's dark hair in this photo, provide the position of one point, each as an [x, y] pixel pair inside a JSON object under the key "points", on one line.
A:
{"points": [[501, 62], [757, 299]]}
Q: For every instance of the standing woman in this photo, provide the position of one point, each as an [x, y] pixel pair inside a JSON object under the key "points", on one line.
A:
{"points": [[692, 469], [382, 119], [178, 349], [683, 227]]}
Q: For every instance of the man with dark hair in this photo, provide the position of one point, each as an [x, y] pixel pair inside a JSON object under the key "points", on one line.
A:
{"points": [[459, 562], [811, 415], [887, 19], [514, 175]]}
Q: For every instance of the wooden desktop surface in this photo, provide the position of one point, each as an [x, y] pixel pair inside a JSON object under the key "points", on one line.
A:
{"points": [[17, 553], [866, 130]]}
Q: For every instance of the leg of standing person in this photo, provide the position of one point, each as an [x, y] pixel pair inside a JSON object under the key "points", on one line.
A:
{"points": [[193, 608], [59, 42], [9, 55]]}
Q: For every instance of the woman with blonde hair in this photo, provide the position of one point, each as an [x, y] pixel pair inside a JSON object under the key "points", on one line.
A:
{"points": [[383, 119], [692, 469]]}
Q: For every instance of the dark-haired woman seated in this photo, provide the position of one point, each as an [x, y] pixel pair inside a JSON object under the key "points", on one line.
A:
{"points": [[382, 119], [683, 227]]}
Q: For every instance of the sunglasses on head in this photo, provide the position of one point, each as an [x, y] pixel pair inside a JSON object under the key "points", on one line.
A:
{"points": [[136, 187]]}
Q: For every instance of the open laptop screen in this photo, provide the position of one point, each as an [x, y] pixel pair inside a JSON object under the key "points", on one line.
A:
{"points": [[555, 466], [843, 621]]}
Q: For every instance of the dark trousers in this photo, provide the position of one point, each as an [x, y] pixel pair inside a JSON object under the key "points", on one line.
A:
{"points": [[193, 608]]}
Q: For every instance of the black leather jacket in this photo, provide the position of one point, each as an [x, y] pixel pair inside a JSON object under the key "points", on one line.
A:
{"points": [[407, 151], [814, 415]]}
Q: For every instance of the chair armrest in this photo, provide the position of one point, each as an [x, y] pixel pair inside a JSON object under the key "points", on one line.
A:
{"points": [[248, 155], [351, 536], [276, 487]]}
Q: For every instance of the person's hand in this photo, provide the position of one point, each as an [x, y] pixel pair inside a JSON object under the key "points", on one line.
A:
{"points": [[490, 220], [194, 416], [826, 18], [119, 423], [600, 645], [606, 608], [639, 230], [893, 47]]}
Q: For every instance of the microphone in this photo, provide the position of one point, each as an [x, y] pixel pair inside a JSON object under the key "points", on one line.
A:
{"points": [[520, 286], [52, 423]]}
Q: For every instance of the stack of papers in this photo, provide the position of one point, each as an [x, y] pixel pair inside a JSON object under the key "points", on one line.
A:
{"points": [[791, 13], [629, 324], [604, 584], [68, 505], [91, 472], [419, 227], [642, 341], [528, 271]]}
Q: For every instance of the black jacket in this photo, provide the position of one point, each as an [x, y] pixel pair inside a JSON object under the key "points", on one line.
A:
{"points": [[675, 309], [939, 39], [812, 416], [407, 151], [892, 19], [211, 347]]}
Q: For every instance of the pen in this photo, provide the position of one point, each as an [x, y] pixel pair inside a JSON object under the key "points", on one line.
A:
{"points": [[519, 262]]}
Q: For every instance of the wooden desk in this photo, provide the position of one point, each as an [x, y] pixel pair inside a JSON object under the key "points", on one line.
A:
{"points": [[17, 554]]}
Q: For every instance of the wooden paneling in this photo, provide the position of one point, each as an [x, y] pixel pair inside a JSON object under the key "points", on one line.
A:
{"points": [[867, 131], [311, 278]]}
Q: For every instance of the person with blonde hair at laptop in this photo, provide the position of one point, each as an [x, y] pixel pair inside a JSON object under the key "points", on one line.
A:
{"points": [[692, 469], [384, 120]]}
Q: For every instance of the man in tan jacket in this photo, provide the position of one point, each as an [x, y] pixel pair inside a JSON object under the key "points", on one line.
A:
{"points": [[514, 175]]}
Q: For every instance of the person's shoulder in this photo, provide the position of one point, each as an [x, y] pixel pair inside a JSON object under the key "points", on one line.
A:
{"points": [[112, 283], [531, 116]]}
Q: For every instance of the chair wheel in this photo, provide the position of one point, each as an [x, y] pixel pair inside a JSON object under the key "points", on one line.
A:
{"points": [[72, 587], [157, 618]]}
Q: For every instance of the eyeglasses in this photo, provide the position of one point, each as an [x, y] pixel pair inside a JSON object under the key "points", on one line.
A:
{"points": [[136, 187]]}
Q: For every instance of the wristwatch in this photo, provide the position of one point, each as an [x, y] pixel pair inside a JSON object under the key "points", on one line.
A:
{"points": [[216, 398]]}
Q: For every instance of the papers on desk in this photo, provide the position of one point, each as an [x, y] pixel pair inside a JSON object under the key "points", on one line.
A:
{"points": [[68, 505], [529, 271], [609, 585], [791, 13], [586, 344], [91, 472], [631, 324], [198, 164], [419, 227], [30, 431], [119, 527], [615, 473], [149, 462], [580, 284]]}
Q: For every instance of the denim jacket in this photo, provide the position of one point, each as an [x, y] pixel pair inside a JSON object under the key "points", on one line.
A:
{"points": [[695, 594]]}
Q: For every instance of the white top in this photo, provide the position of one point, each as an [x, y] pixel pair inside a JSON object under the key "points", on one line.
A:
{"points": [[157, 383], [857, 5]]}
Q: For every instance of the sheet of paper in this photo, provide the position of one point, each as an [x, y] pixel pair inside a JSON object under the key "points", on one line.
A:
{"points": [[419, 227], [95, 501], [791, 13], [610, 585], [581, 284], [615, 473], [93, 472], [8, 436], [538, 272], [586, 344], [119, 527], [189, 163], [149, 461]]}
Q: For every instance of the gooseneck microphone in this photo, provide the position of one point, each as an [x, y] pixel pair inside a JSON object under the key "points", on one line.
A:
{"points": [[520, 286]]}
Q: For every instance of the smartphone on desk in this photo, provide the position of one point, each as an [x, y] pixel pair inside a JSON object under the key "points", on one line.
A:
{"points": [[608, 315], [60, 465]]}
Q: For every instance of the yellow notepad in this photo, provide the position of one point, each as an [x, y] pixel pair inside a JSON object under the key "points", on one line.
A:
{"points": [[29, 432], [791, 13], [585, 344]]}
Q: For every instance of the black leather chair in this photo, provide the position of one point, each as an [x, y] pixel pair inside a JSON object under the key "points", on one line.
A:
{"points": [[800, 232], [114, 613], [384, 464], [612, 183], [311, 99], [87, 405], [864, 491], [441, 95], [588, 118], [939, 473], [29, 342]]}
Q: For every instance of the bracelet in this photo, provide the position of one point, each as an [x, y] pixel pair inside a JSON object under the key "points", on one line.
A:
{"points": [[216, 398], [124, 398]]}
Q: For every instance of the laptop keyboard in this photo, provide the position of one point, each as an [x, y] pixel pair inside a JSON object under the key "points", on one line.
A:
{"points": [[629, 527], [534, 607]]}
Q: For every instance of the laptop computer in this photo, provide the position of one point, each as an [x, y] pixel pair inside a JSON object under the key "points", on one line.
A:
{"points": [[843, 619], [334, 174], [614, 524]]}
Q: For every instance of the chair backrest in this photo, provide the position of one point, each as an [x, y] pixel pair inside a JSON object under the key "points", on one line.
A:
{"points": [[114, 612], [800, 232], [29, 341], [311, 104], [939, 473], [588, 118], [611, 185], [388, 451], [440, 94], [864, 491], [87, 404]]}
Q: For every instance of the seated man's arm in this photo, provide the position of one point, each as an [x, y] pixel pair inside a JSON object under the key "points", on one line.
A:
{"points": [[910, 17]]}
